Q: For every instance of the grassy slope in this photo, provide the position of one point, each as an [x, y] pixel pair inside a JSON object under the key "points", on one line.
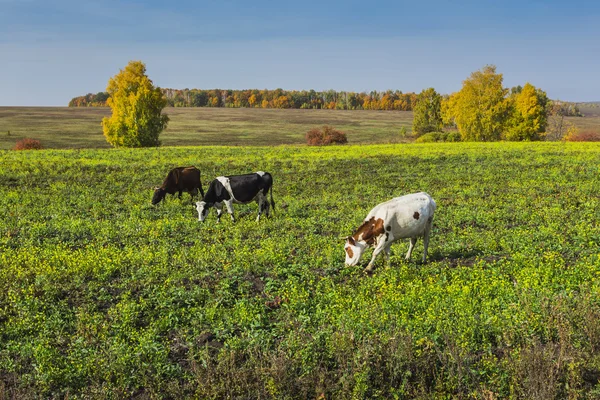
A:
{"points": [[63, 127], [103, 295]]}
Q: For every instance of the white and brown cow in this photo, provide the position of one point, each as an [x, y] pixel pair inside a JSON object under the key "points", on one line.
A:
{"points": [[237, 189], [403, 217]]}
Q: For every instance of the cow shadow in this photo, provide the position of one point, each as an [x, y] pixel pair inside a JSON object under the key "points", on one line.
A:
{"points": [[463, 257]]}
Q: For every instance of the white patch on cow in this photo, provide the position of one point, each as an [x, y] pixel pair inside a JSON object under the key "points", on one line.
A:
{"points": [[227, 185], [260, 173], [403, 217]]}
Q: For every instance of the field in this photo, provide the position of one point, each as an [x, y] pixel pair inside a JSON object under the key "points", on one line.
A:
{"points": [[104, 296], [63, 127], [72, 128]]}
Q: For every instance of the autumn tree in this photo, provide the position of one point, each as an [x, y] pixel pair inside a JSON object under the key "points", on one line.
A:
{"points": [[136, 105], [480, 108], [528, 115], [427, 112]]}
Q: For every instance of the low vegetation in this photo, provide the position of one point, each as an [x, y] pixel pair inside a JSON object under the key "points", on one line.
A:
{"points": [[325, 136], [104, 296], [439, 137], [575, 135], [28, 144]]}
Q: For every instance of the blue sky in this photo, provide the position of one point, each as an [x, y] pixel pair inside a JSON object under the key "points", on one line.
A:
{"points": [[51, 51]]}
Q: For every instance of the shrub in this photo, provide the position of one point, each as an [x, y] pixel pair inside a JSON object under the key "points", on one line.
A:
{"points": [[439, 137], [585, 136], [325, 136], [429, 137], [453, 137], [28, 144]]}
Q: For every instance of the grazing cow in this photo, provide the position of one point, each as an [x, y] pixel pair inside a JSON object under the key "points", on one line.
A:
{"points": [[180, 179], [237, 189], [403, 217]]}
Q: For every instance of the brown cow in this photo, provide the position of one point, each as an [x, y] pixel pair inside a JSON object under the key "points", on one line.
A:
{"points": [[180, 179]]}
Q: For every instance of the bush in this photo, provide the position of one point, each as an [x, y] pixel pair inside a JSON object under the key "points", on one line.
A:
{"points": [[585, 136], [325, 136], [28, 144], [439, 137]]}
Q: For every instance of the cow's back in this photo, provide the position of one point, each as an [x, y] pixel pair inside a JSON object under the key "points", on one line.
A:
{"points": [[189, 178], [406, 216]]}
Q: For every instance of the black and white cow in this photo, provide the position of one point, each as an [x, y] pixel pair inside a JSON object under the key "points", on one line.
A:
{"points": [[237, 189], [403, 217]]}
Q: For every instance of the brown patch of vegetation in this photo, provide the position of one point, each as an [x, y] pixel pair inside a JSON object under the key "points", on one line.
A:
{"points": [[325, 136], [28, 144], [583, 136]]}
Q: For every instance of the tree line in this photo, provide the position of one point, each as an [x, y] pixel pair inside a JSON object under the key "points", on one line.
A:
{"points": [[277, 98], [482, 110], [485, 110]]}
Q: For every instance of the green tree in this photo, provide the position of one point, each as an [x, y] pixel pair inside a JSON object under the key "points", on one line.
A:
{"points": [[427, 112], [480, 108], [529, 114], [137, 106]]}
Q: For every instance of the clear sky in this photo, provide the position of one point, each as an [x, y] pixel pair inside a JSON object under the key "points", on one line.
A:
{"points": [[51, 51]]}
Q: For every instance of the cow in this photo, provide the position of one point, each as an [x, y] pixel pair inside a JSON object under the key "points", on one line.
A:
{"points": [[237, 189], [180, 179], [403, 217]]}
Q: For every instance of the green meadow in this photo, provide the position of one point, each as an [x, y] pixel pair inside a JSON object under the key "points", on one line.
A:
{"points": [[104, 296]]}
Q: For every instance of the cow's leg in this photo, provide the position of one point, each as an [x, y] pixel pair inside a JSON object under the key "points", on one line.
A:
{"points": [[426, 242], [180, 192], [381, 244], [229, 205], [219, 208], [413, 241], [387, 251], [261, 205]]}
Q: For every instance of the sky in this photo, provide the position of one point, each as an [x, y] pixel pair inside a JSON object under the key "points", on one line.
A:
{"points": [[52, 51]]}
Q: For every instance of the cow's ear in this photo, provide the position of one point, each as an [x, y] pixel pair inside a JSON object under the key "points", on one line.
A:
{"points": [[351, 241]]}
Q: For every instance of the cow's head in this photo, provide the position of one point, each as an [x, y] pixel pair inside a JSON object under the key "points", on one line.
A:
{"points": [[202, 207], [354, 251], [159, 194]]}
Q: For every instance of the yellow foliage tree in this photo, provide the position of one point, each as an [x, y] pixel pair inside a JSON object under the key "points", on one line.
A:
{"points": [[137, 106], [480, 108], [529, 114]]}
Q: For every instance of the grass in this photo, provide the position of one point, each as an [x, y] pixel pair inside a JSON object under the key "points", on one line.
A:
{"points": [[72, 128], [104, 296], [62, 127]]}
